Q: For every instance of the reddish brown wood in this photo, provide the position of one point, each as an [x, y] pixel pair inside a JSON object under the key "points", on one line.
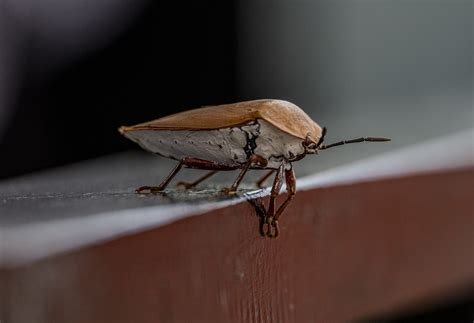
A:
{"points": [[343, 253]]}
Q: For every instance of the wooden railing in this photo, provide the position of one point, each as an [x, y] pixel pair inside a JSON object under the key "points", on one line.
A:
{"points": [[351, 247]]}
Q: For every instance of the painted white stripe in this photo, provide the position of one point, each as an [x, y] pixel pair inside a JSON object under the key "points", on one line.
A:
{"points": [[450, 152]]}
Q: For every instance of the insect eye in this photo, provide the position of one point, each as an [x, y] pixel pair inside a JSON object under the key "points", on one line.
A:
{"points": [[307, 143]]}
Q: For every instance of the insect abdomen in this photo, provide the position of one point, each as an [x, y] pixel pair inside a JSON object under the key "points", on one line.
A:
{"points": [[228, 146]]}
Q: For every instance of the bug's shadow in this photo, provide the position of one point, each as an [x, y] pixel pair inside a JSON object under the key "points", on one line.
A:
{"points": [[254, 196], [260, 211]]}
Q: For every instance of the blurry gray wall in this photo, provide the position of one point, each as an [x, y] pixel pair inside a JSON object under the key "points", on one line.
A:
{"points": [[402, 69]]}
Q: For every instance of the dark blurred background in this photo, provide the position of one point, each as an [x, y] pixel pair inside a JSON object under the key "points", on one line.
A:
{"points": [[72, 71], [70, 89]]}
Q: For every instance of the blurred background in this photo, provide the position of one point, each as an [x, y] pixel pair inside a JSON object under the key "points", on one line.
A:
{"points": [[72, 71]]}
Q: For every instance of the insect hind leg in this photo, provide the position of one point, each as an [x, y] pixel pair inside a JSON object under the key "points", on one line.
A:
{"points": [[163, 184]]}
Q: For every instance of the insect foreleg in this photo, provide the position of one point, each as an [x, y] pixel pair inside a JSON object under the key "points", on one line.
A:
{"points": [[269, 225], [290, 188]]}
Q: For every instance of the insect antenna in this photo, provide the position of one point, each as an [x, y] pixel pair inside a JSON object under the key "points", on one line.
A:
{"points": [[320, 141], [351, 141]]}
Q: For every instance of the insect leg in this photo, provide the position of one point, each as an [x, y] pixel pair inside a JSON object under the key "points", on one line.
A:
{"points": [[254, 159], [264, 178], [290, 188], [163, 184], [270, 225], [188, 185]]}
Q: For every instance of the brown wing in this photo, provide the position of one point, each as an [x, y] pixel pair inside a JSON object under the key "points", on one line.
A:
{"points": [[282, 114]]}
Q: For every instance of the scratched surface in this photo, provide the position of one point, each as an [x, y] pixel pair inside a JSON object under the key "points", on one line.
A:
{"points": [[105, 184]]}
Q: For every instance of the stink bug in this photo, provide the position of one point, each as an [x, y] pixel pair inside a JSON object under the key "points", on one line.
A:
{"points": [[260, 134]]}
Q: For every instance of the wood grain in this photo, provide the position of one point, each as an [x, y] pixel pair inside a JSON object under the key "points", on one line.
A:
{"points": [[344, 253]]}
